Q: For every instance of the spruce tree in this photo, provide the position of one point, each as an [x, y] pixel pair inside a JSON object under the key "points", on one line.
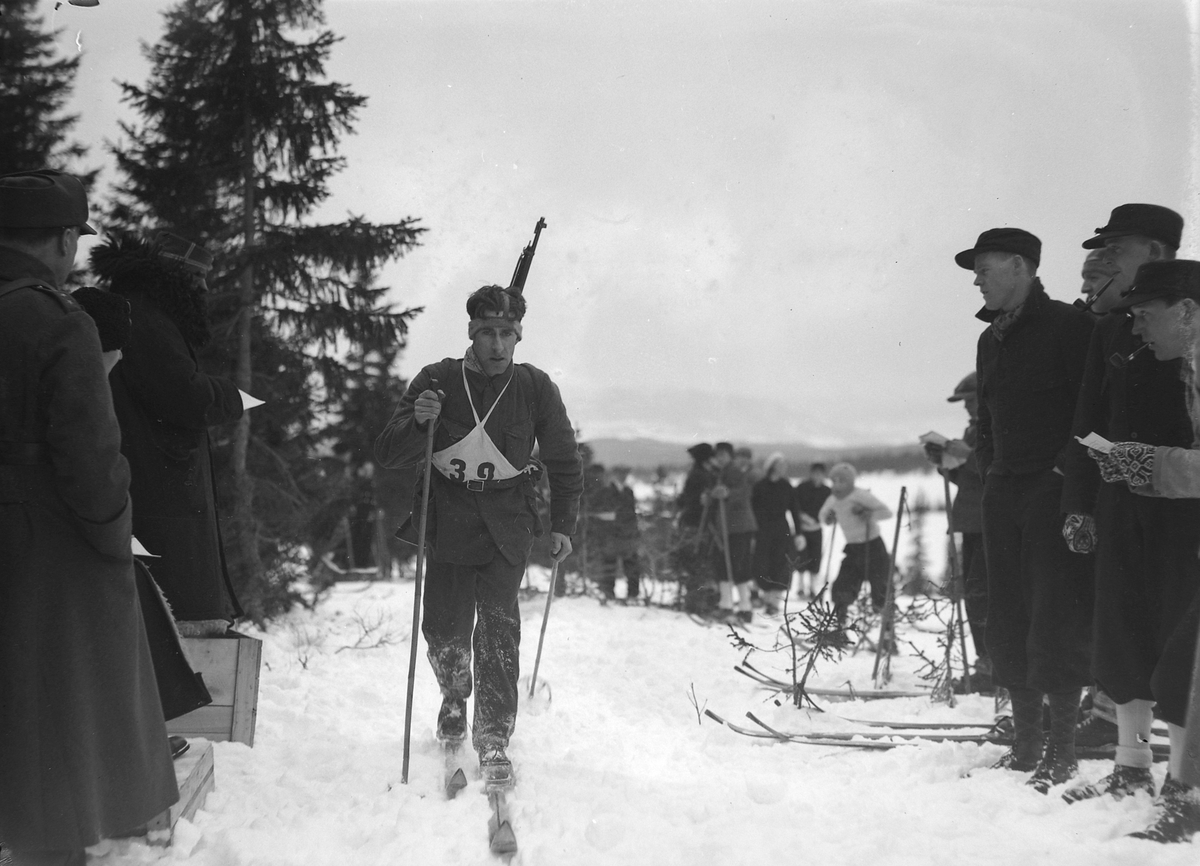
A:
{"points": [[34, 87], [235, 147]]}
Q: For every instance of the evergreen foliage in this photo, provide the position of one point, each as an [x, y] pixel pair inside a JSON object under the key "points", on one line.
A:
{"points": [[235, 147], [34, 87]]}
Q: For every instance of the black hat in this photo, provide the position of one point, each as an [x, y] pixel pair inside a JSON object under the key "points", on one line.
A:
{"points": [[968, 385], [1016, 241], [110, 312], [1178, 278], [177, 249], [1148, 220], [700, 452], [43, 199]]}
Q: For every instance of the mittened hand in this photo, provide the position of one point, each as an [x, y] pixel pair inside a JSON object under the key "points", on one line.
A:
{"points": [[1079, 531], [1135, 460]]}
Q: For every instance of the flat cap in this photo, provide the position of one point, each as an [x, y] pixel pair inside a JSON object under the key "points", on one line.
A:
{"points": [[43, 199], [1178, 278], [968, 385], [190, 255], [1147, 220], [1016, 241]]}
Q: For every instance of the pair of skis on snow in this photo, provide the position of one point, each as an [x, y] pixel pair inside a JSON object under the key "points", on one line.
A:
{"points": [[501, 839]]}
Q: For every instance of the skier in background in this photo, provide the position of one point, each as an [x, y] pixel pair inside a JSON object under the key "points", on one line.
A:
{"points": [[776, 543], [811, 494]]}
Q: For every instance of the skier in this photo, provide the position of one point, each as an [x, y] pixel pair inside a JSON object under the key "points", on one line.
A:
{"points": [[865, 556], [489, 413], [811, 494], [772, 498], [731, 514], [956, 461], [691, 555], [1029, 364], [1141, 586], [1164, 302]]}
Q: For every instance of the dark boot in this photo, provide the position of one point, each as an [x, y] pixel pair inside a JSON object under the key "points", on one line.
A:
{"points": [[1027, 748], [452, 721], [1122, 782], [1058, 764], [1178, 817], [496, 768]]}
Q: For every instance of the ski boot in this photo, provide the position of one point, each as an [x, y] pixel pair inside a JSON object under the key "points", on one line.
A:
{"points": [[1178, 814], [1122, 782], [452, 722], [1058, 765], [496, 768]]}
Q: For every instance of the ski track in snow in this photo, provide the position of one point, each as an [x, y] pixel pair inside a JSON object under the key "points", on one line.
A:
{"points": [[615, 768]]}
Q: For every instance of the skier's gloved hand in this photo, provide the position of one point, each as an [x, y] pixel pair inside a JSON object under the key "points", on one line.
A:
{"points": [[1133, 462], [1079, 531], [933, 453]]}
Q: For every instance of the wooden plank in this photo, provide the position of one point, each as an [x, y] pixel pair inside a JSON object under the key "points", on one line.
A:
{"points": [[195, 774], [245, 702], [217, 659], [212, 723]]}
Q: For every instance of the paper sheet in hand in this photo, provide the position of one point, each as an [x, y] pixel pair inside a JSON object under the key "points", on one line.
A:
{"points": [[249, 402], [932, 438], [140, 550], [1096, 441]]}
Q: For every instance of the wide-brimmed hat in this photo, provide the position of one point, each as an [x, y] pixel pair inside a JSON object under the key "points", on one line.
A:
{"points": [[1016, 241], [1146, 220], [43, 199], [1175, 278], [968, 385]]}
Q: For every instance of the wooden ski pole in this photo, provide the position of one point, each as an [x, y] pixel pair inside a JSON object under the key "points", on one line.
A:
{"points": [[725, 545], [888, 622], [416, 617], [829, 559], [537, 661], [958, 602]]}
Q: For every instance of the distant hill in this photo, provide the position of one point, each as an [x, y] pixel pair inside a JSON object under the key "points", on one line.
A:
{"points": [[649, 454]]}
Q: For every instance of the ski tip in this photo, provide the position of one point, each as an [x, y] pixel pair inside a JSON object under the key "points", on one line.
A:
{"points": [[456, 783], [504, 840]]}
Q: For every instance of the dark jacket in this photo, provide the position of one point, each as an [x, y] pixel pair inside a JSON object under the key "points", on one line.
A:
{"points": [[83, 746], [468, 527], [772, 501], [1143, 400], [810, 497], [165, 404], [690, 500], [738, 513], [1028, 384]]}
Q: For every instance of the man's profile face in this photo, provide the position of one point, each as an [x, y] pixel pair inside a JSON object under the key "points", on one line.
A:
{"points": [[1000, 280], [494, 344], [1166, 329], [722, 458], [1095, 275], [1123, 255]]}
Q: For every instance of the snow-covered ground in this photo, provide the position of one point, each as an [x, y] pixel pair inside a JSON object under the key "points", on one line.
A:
{"points": [[616, 767]]}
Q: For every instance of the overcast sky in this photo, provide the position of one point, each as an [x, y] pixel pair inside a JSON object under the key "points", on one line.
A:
{"points": [[752, 207]]}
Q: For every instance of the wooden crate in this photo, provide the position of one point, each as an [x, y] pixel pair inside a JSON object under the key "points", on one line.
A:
{"points": [[194, 774], [230, 665]]}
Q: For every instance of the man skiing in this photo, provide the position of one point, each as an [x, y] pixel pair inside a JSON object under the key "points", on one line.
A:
{"points": [[1029, 363], [1141, 586], [489, 414]]}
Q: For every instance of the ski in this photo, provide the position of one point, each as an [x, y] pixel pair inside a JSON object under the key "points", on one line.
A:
{"points": [[748, 670], [932, 736], [454, 778], [501, 839], [810, 741], [919, 726]]}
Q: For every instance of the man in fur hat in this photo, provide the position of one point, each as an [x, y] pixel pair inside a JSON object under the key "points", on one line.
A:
{"points": [[489, 413], [165, 403], [83, 747]]}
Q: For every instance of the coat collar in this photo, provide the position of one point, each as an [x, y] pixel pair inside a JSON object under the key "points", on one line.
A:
{"points": [[1036, 299], [15, 264]]}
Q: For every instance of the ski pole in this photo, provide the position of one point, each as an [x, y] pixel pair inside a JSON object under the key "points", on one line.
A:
{"points": [[416, 619], [725, 540], [545, 618], [958, 603]]}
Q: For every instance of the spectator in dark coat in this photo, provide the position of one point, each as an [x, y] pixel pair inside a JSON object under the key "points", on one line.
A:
{"points": [[775, 545], [811, 494], [83, 747], [691, 556], [734, 520], [614, 507], [166, 403], [1029, 365]]}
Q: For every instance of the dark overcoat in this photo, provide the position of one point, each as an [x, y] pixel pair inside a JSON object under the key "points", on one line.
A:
{"points": [[165, 404], [83, 746]]}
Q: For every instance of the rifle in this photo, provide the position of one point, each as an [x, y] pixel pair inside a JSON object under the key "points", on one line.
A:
{"points": [[521, 273]]}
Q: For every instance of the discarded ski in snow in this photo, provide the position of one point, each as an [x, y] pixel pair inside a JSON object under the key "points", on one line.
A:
{"points": [[768, 681], [810, 741]]}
